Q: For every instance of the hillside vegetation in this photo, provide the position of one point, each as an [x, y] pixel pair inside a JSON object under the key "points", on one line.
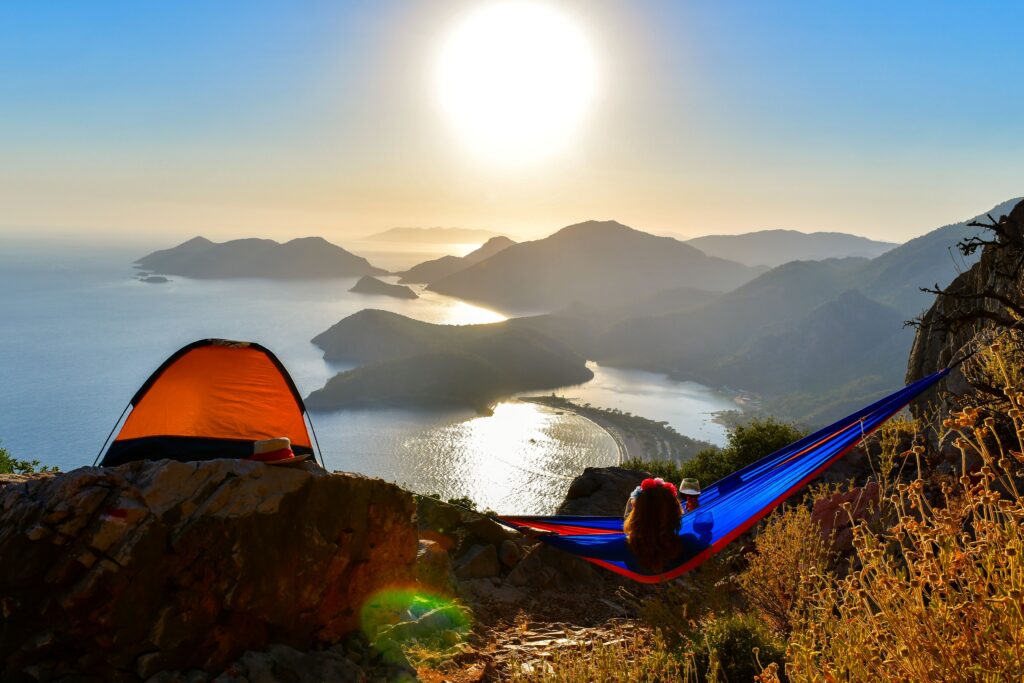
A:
{"points": [[407, 362]]}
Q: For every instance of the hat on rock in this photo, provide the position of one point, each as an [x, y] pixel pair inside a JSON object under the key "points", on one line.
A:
{"points": [[275, 451]]}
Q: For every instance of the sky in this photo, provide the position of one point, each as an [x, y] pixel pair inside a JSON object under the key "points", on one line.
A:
{"points": [[281, 119]]}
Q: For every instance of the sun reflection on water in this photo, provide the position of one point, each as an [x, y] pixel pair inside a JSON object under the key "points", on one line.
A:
{"points": [[521, 458]]}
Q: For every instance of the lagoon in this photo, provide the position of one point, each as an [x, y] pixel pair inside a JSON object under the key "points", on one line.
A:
{"points": [[81, 334]]}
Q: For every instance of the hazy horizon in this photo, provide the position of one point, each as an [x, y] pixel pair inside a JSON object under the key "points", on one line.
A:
{"points": [[247, 119]]}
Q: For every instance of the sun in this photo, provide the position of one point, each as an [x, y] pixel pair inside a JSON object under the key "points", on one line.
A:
{"points": [[515, 81]]}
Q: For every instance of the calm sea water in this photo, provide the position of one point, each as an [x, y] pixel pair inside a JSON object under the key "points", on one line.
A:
{"points": [[80, 335]]}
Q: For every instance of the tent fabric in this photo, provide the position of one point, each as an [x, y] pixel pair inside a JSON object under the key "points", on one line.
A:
{"points": [[731, 505], [213, 398]]}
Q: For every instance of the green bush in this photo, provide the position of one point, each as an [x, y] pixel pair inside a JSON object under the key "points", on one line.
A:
{"points": [[746, 444], [735, 647], [668, 470], [11, 465]]}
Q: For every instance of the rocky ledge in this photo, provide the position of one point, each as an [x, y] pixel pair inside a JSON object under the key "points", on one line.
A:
{"points": [[123, 574]]}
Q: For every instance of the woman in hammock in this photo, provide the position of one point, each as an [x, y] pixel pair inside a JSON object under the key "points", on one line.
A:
{"points": [[652, 525]]}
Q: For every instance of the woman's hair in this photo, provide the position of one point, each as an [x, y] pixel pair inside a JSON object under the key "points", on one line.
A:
{"points": [[652, 528]]}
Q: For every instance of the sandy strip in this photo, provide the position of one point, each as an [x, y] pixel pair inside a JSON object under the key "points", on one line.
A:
{"points": [[628, 446]]}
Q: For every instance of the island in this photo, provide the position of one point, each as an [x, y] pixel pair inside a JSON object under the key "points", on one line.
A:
{"points": [[412, 363], [154, 279], [306, 258], [371, 285]]}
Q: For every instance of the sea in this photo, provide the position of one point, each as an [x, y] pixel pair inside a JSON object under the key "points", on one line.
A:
{"points": [[80, 333]]}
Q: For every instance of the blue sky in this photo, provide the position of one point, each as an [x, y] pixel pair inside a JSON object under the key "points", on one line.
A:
{"points": [[279, 118]]}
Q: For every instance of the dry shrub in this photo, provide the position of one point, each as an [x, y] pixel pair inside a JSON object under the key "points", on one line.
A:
{"points": [[787, 551], [937, 596], [632, 658]]}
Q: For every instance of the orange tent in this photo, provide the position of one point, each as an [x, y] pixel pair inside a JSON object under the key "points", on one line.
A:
{"points": [[212, 399]]}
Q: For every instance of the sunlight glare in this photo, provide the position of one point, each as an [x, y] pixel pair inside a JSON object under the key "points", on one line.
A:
{"points": [[515, 80]]}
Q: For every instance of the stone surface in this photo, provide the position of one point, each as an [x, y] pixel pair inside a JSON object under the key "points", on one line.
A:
{"points": [[509, 553], [486, 590], [282, 664], [121, 573], [601, 491], [434, 568], [480, 561], [837, 514], [998, 272]]}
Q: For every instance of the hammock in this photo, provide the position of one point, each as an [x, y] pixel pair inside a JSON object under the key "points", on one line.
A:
{"points": [[731, 505]]}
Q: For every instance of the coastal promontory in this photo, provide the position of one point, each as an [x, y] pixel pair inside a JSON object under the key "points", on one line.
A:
{"points": [[371, 285]]}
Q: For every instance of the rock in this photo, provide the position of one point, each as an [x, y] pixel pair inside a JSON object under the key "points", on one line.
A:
{"points": [[835, 521], [434, 568], [427, 627], [481, 529], [436, 516], [486, 590], [509, 553], [601, 491], [546, 567], [125, 572], [282, 664], [949, 328], [480, 561], [193, 676]]}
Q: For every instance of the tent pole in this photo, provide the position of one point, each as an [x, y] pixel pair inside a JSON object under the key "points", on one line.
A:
{"points": [[104, 446], [316, 441]]}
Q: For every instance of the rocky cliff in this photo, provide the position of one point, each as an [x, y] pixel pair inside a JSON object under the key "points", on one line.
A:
{"points": [[117, 574], [984, 299]]}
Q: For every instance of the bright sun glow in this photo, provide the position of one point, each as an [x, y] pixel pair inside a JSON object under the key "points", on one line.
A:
{"points": [[515, 80]]}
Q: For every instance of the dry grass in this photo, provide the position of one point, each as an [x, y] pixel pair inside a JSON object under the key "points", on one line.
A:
{"points": [[635, 658], [787, 552], [937, 596]]}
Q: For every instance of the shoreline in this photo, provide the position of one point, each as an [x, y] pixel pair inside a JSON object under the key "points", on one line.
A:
{"points": [[617, 435], [646, 440]]}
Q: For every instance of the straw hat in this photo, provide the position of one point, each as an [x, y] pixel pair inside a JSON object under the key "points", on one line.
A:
{"points": [[275, 451], [689, 487]]}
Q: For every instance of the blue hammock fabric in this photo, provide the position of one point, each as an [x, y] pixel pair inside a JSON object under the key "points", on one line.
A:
{"points": [[731, 505]]}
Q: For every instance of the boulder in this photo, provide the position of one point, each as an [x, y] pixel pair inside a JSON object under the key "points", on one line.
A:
{"points": [[837, 514], [479, 562], [283, 664], [436, 516], [510, 553], [434, 568], [601, 491], [480, 529], [489, 590], [547, 567], [119, 573]]}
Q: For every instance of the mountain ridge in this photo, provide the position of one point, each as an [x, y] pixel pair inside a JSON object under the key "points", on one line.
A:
{"points": [[599, 262]]}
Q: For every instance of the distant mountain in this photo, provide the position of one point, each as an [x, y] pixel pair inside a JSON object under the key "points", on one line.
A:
{"points": [[434, 236], [895, 278], [298, 259], [598, 262], [775, 247], [409, 362], [429, 271], [814, 337], [371, 285]]}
